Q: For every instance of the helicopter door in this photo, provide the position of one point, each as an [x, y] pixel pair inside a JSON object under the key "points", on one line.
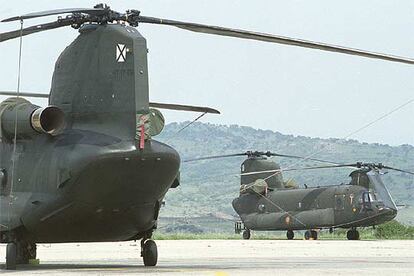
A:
{"points": [[339, 202]]}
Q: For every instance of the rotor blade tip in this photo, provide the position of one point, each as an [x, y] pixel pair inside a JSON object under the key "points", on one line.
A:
{"points": [[14, 18]]}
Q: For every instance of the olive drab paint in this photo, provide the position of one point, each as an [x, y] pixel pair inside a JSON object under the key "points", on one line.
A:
{"points": [[107, 81], [282, 206], [93, 181], [252, 164]]}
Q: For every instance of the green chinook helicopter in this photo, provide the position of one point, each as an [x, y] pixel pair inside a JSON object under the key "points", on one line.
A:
{"points": [[268, 203], [84, 168]]}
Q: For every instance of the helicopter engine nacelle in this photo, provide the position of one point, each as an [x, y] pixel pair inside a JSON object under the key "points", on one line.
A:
{"points": [[31, 119]]}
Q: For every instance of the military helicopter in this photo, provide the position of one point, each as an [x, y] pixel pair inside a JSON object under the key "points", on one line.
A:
{"points": [[85, 168], [268, 203]]}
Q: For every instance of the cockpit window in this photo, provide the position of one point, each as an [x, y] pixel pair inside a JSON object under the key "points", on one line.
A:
{"points": [[381, 192], [360, 179], [366, 197]]}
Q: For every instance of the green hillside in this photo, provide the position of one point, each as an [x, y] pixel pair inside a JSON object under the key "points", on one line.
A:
{"points": [[210, 186]]}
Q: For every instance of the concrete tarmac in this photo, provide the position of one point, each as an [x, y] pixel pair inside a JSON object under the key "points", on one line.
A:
{"points": [[225, 257]]}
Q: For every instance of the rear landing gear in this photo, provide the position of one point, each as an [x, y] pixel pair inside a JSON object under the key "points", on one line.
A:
{"points": [[149, 252], [352, 234], [246, 234], [311, 234], [290, 235], [19, 252], [11, 256]]}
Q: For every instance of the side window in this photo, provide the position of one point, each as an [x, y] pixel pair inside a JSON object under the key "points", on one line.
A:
{"points": [[339, 202]]}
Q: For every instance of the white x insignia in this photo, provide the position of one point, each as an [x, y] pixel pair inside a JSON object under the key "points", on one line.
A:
{"points": [[121, 51]]}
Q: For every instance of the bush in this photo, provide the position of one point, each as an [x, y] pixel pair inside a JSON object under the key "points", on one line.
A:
{"points": [[394, 230]]}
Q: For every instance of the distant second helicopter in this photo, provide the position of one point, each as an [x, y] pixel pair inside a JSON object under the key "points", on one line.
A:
{"points": [[268, 203]]}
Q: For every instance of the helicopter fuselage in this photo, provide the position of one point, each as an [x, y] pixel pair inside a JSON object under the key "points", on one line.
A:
{"points": [[84, 186], [339, 206], [101, 178]]}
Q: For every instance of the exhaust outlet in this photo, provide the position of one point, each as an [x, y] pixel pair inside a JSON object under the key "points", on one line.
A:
{"points": [[20, 117], [50, 120]]}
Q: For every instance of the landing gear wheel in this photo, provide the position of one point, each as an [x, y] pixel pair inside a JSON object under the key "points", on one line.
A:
{"points": [[150, 253], [246, 234], [308, 235], [290, 235], [352, 235], [314, 234], [11, 256]]}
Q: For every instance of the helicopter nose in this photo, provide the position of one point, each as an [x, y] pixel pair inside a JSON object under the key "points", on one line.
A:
{"points": [[387, 213]]}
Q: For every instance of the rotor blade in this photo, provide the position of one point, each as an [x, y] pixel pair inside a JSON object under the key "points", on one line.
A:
{"points": [[192, 122], [260, 153], [151, 104], [97, 11], [35, 29], [321, 167], [215, 157], [398, 170], [301, 169], [184, 107], [216, 30], [24, 94], [301, 157]]}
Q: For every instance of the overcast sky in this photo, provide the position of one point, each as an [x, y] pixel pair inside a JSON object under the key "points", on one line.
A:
{"points": [[282, 88]]}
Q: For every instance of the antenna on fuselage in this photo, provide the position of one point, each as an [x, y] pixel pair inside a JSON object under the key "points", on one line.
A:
{"points": [[13, 159]]}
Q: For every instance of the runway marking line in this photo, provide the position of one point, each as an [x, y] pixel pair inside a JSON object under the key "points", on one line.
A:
{"points": [[220, 273]]}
